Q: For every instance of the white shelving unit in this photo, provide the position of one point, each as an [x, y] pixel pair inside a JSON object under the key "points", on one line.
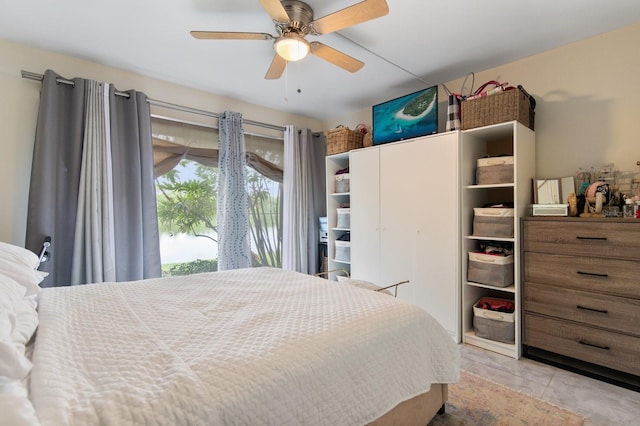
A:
{"points": [[335, 200], [511, 138]]}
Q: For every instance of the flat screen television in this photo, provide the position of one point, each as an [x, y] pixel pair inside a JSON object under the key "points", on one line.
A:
{"points": [[406, 117]]}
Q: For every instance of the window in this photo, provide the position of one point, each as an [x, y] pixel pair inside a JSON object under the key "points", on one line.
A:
{"points": [[186, 169]]}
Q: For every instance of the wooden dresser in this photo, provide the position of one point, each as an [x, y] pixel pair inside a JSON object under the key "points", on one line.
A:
{"points": [[581, 294]]}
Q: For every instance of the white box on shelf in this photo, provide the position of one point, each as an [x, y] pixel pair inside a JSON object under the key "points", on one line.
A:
{"points": [[344, 218], [494, 170], [493, 325], [490, 269], [493, 222], [343, 251], [342, 183]]}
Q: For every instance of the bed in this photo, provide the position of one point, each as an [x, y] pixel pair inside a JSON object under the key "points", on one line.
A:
{"points": [[246, 347]]}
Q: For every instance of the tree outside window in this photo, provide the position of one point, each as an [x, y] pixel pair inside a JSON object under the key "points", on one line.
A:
{"points": [[187, 206], [187, 202]]}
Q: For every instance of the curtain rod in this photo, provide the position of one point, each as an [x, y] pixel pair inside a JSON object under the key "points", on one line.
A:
{"points": [[210, 126], [161, 104]]}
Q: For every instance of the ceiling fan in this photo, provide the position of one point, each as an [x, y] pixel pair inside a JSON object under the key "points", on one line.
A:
{"points": [[294, 20]]}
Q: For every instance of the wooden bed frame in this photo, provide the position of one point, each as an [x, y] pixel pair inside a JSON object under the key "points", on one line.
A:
{"points": [[415, 411], [418, 410]]}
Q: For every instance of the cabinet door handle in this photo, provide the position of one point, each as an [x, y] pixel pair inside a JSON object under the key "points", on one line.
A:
{"points": [[593, 274], [584, 342], [591, 238], [584, 308]]}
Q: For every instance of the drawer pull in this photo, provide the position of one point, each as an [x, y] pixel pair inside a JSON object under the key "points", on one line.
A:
{"points": [[591, 238], [584, 342], [601, 311], [593, 274]]}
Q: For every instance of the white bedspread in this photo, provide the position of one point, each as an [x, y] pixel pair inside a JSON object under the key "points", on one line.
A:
{"points": [[248, 347]]}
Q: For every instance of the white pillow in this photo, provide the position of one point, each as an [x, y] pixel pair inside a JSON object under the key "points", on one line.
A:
{"points": [[23, 275], [10, 290], [13, 363], [26, 322], [17, 323], [19, 255], [15, 406], [20, 265]]}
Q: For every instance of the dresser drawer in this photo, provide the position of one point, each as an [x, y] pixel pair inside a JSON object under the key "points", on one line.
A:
{"points": [[609, 349], [615, 239], [605, 275], [610, 312]]}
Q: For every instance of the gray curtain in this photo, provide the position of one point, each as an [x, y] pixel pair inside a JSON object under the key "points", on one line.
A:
{"points": [[55, 180], [233, 202], [304, 199], [137, 238]]}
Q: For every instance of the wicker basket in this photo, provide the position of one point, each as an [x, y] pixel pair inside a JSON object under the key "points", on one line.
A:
{"points": [[368, 139], [505, 106], [343, 140]]}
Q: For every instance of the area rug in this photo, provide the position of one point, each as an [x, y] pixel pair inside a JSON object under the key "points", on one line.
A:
{"points": [[477, 401]]}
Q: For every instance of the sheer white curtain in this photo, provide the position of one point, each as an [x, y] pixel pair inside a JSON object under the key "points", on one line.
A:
{"points": [[304, 199], [94, 247], [234, 250]]}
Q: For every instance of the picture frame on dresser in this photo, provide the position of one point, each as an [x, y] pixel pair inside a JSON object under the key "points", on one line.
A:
{"points": [[547, 191], [567, 187], [553, 190]]}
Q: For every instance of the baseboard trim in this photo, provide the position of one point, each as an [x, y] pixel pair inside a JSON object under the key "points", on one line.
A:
{"points": [[614, 377]]}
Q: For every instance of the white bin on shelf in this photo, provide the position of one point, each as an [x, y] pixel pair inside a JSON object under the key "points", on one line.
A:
{"points": [[490, 269], [344, 218], [343, 251], [494, 170], [493, 222], [342, 183], [494, 325]]}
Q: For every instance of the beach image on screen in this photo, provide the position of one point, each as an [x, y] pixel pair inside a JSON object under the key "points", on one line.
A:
{"points": [[406, 117]]}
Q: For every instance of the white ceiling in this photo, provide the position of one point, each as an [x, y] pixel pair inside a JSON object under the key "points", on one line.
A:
{"points": [[429, 41]]}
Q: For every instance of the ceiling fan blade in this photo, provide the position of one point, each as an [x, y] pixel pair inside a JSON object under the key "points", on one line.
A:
{"points": [[276, 68], [275, 9], [352, 15], [224, 35], [336, 57]]}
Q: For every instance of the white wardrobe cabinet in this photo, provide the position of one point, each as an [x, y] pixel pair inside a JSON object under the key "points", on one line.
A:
{"points": [[405, 222]]}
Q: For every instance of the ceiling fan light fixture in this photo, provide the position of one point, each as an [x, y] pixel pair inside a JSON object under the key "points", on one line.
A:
{"points": [[291, 47]]}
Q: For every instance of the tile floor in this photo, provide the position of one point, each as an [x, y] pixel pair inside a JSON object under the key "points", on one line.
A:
{"points": [[599, 402]]}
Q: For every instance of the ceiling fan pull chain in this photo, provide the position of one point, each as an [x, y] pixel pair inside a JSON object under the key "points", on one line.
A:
{"points": [[286, 82], [299, 74]]}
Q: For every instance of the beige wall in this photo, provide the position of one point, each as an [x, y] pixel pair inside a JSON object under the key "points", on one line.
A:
{"points": [[588, 102], [19, 106], [587, 92]]}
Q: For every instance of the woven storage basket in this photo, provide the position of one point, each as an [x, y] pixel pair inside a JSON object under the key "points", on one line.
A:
{"points": [[505, 106], [367, 140], [342, 140]]}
